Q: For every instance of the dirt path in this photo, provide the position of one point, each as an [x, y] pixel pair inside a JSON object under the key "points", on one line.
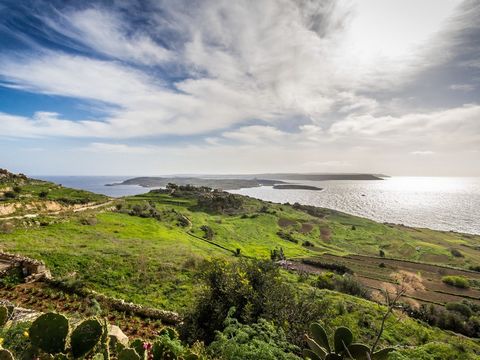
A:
{"points": [[79, 209]]}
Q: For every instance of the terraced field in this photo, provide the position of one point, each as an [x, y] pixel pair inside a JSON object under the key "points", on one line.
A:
{"points": [[375, 272]]}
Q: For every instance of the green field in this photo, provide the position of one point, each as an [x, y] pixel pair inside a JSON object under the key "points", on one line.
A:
{"points": [[150, 261]]}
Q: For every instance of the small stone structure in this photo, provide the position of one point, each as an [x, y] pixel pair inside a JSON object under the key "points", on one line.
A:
{"points": [[32, 270]]}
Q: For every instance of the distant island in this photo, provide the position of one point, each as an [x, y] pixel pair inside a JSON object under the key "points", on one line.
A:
{"points": [[225, 184], [296, 187], [235, 182]]}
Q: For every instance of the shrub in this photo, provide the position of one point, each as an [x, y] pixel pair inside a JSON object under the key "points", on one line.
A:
{"points": [[456, 253], [261, 340], [338, 268], [219, 202], [207, 232], [10, 195], [475, 268], [92, 220], [460, 308], [6, 227], [457, 281], [43, 194], [350, 285], [346, 284], [447, 319], [325, 281], [287, 236], [256, 290]]}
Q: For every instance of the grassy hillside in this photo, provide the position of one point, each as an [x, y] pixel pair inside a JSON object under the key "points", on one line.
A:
{"points": [[127, 255], [20, 195], [149, 249]]}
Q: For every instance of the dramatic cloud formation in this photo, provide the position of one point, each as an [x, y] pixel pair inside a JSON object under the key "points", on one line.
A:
{"points": [[271, 85]]}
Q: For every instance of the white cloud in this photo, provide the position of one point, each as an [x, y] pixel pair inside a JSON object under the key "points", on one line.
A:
{"points": [[268, 60], [320, 77], [256, 134], [462, 87], [107, 33], [422, 152], [458, 126]]}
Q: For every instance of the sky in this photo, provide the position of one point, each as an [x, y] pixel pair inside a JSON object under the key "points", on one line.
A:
{"points": [[218, 86]]}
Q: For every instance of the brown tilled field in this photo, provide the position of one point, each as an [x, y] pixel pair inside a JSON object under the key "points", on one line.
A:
{"points": [[374, 272]]}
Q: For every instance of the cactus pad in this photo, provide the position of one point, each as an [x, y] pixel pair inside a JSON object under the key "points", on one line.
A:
{"points": [[3, 315], [6, 355], [49, 332], [85, 337], [342, 339], [128, 354]]}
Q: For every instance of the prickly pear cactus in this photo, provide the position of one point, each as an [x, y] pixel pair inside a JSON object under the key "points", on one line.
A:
{"points": [[161, 351], [137, 344], [342, 339], [128, 354], [49, 332], [169, 331], [6, 355], [85, 337], [3, 315]]}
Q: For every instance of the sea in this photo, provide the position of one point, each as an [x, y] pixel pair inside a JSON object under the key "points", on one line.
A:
{"points": [[440, 203]]}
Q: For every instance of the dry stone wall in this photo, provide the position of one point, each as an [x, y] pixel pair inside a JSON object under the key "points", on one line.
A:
{"points": [[32, 270]]}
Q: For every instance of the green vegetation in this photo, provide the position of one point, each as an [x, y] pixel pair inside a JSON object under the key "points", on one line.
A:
{"points": [[20, 195], [49, 337], [209, 256], [457, 281], [343, 346]]}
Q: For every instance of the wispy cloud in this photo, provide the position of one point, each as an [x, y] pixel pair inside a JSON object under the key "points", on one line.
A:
{"points": [[422, 152]]}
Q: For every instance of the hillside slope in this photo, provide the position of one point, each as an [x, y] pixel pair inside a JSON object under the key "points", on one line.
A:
{"points": [[149, 249]]}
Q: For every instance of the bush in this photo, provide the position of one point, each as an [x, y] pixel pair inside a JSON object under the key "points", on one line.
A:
{"points": [[287, 236], [219, 202], [10, 195], [475, 268], [350, 285], [92, 220], [259, 341], [457, 281], [338, 268], [452, 317], [325, 281], [207, 232], [43, 194], [460, 308], [6, 227], [346, 284], [456, 253], [256, 290]]}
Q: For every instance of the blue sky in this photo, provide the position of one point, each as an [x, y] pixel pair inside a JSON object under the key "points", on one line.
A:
{"points": [[161, 87]]}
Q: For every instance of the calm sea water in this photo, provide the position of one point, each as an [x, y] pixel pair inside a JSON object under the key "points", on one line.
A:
{"points": [[433, 202], [96, 184]]}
